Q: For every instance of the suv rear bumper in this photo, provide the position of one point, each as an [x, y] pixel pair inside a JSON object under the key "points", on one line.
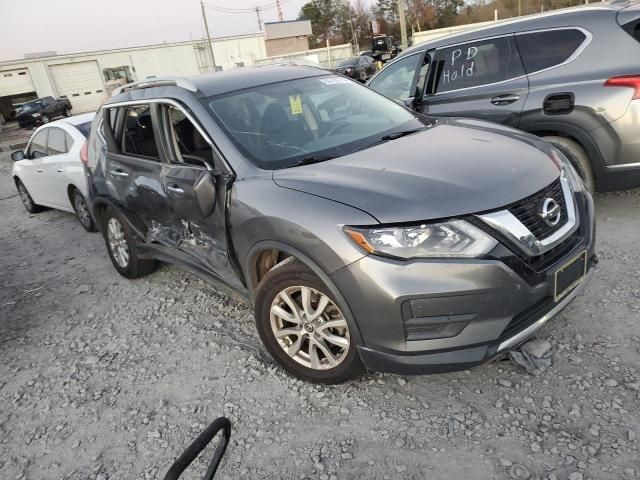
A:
{"points": [[432, 316]]}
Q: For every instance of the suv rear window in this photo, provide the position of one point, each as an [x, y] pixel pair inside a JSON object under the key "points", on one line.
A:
{"points": [[540, 50], [477, 63]]}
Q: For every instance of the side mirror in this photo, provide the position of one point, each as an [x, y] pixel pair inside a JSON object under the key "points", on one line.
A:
{"points": [[206, 193], [18, 155]]}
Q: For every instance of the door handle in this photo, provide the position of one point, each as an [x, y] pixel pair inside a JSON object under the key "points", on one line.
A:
{"points": [[39, 171], [60, 170], [173, 188], [505, 99], [118, 173]]}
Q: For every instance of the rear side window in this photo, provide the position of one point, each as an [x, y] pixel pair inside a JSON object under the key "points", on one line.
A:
{"points": [[57, 142], [477, 63], [540, 50], [138, 138]]}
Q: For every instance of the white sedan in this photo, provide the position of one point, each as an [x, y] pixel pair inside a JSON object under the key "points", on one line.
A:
{"points": [[49, 172]]}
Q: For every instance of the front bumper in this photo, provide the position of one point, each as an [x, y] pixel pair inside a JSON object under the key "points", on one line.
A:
{"points": [[432, 316]]}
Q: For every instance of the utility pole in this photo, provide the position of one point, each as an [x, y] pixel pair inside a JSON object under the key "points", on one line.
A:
{"points": [[280, 17], [519, 8], [403, 24], [206, 29], [259, 21]]}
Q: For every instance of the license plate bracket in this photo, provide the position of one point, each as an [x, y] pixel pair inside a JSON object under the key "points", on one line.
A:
{"points": [[569, 275]]}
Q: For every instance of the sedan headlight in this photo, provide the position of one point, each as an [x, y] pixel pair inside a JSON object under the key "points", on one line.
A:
{"points": [[569, 171], [455, 238]]}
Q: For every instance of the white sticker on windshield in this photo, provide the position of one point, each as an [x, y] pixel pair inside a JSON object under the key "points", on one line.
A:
{"points": [[334, 80]]}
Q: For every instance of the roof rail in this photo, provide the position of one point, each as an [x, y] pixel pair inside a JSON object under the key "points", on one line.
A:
{"points": [[156, 82]]}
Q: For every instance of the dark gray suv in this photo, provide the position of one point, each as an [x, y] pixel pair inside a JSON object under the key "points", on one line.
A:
{"points": [[363, 234], [571, 76]]}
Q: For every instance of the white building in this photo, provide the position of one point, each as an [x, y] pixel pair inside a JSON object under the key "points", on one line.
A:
{"points": [[82, 77]]}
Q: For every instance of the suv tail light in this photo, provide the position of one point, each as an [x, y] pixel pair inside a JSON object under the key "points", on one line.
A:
{"points": [[629, 81], [84, 152]]}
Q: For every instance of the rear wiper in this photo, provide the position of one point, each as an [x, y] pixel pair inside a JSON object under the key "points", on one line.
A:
{"points": [[314, 159], [394, 135]]}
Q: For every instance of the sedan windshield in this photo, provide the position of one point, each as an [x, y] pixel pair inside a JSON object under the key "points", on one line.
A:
{"points": [[308, 120]]}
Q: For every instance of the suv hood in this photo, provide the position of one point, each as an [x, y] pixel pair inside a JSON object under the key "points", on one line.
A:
{"points": [[453, 168]]}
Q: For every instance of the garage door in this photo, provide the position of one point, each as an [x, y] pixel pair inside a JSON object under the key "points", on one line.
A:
{"points": [[14, 82], [81, 83]]}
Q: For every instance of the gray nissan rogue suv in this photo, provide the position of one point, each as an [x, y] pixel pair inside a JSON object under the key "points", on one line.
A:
{"points": [[363, 234], [570, 76]]}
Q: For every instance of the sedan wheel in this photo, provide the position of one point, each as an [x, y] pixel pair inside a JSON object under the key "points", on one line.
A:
{"points": [[82, 212], [25, 197], [27, 201], [44, 119], [117, 242]]}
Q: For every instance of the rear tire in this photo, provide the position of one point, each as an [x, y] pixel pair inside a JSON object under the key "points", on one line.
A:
{"points": [[578, 158], [313, 343], [122, 247], [27, 200], [82, 211]]}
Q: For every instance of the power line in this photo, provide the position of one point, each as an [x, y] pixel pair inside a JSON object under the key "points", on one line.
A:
{"points": [[267, 6]]}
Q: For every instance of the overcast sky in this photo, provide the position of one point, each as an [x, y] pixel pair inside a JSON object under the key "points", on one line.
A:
{"points": [[69, 26]]}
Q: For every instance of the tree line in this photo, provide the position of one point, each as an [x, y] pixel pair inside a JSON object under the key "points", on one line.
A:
{"points": [[349, 21]]}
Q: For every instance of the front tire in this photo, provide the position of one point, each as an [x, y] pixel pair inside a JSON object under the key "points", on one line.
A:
{"points": [[45, 119], [66, 112], [27, 200], [578, 158], [303, 327], [82, 211], [122, 247]]}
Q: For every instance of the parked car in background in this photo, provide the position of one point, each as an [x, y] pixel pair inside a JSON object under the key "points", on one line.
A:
{"points": [[363, 234], [49, 172], [42, 111], [570, 76], [359, 68], [384, 48]]}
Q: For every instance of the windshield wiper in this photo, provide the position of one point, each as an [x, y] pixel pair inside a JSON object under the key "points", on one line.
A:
{"points": [[394, 135], [314, 159]]}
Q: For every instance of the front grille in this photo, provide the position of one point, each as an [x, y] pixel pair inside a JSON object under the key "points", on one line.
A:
{"points": [[528, 211]]}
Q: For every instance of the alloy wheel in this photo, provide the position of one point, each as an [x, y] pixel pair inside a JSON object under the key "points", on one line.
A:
{"points": [[81, 210], [309, 327], [25, 197], [44, 119], [117, 242]]}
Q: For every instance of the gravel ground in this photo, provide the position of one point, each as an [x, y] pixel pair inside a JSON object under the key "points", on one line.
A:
{"points": [[106, 378]]}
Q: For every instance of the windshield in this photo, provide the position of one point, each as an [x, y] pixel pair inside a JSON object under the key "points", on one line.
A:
{"points": [[281, 125], [27, 107]]}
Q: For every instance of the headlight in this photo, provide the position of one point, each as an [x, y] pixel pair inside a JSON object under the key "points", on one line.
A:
{"points": [[456, 238], [569, 171], [35, 115]]}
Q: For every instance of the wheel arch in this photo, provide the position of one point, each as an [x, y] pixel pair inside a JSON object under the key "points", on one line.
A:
{"points": [[578, 135], [273, 250]]}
